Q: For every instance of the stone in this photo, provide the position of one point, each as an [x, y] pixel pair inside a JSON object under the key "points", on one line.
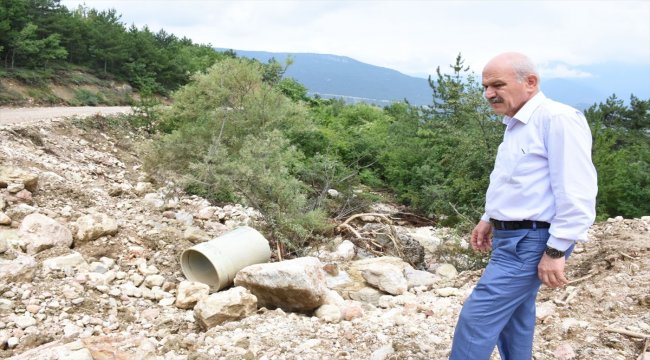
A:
{"points": [[191, 292], [40, 232], [4, 219], [92, 226], [233, 304], [386, 277], [328, 313], [20, 269], [12, 175], [447, 271], [416, 278], [72, 260], [292, 285], [195, 235]]}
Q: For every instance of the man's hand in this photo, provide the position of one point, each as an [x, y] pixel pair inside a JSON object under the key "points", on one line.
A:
{"points": [[551, 271], [482, 237]]}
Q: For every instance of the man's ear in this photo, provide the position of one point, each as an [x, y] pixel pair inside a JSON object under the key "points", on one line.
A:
{"points": [[532, 81]]}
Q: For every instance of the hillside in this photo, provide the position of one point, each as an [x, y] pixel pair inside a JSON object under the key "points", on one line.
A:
{"points": [[74, 87], [114, 288]]}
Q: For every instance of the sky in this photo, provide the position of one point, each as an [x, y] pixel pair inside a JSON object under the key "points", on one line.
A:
{"points": [[413, 37]]}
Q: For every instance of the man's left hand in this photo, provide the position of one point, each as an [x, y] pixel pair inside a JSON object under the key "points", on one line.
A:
{"points": [[551, 271]]}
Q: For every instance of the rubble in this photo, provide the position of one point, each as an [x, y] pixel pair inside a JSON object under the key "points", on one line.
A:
{"points": [[89, 266]]}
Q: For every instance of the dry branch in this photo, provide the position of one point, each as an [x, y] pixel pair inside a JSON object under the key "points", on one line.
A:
{"points": [[628, 333]]}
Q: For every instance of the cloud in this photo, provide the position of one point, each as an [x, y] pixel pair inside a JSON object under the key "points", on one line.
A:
{"points": [[413, 37], [562, 71]]}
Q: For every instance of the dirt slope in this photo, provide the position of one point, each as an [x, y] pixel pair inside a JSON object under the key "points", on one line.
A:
{"points": [[603, 314]]}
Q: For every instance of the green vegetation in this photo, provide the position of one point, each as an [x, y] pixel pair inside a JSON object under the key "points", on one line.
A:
{"points": [[238, 130], [39, 38]]}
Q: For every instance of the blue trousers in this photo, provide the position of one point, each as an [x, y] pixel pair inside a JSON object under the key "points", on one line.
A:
{"points": [[501, 309]]}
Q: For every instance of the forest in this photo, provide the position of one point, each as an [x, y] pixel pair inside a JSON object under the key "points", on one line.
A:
{"points": [[237, 130]]}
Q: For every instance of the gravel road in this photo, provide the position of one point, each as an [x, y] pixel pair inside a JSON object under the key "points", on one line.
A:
{"points": [[25, 116]]}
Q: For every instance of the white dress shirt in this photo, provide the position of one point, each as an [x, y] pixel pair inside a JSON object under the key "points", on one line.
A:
{"points": [[543, 171]]}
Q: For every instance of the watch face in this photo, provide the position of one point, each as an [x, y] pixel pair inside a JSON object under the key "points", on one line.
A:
{"points": [[554, 253]]}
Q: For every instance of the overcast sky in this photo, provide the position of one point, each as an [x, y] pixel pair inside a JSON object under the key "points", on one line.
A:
{"points": [[413, 37]]}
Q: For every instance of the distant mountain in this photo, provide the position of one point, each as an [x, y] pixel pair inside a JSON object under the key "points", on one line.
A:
{"points": [[333, 76]]}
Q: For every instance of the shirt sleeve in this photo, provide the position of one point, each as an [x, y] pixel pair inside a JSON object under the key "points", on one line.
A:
{"points": [[573, 178]]}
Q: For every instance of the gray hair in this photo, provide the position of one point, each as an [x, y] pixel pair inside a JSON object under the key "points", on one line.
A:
{"points": [[523, 67]]}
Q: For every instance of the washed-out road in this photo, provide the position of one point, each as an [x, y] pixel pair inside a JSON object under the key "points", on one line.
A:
{"points": [[34, 115]]}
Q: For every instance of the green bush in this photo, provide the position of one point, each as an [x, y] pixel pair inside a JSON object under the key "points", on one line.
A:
{"points": [[83, 97]]}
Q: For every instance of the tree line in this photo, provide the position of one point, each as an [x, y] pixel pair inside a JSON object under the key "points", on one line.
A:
{"points": [[42, 34]]}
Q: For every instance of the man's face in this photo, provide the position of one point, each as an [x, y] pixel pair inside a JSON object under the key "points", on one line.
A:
{"points": [[503, 91]]}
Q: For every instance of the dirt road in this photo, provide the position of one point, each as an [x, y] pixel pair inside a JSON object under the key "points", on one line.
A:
{"points": [[24, 116]]}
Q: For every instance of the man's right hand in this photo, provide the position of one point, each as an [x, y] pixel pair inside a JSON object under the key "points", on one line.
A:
{"points": [[482, 236]]}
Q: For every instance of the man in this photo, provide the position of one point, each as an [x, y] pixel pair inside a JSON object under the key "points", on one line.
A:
{"points": [[540, 201]]}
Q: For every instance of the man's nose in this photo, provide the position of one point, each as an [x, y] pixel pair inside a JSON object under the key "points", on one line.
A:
{"points": [[489, 93]]}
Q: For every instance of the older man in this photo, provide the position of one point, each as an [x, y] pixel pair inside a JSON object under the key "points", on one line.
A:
{"points": [[540, 201]]}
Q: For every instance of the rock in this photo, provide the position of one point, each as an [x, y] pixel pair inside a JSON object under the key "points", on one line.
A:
{"points": [[233, 304], [416, 278], [20, 269], [143, 188], [383, 352], [24, 196], [448, 291], [367, 294], [40, 232], [92, 226], [11, 175], [191, 292], [72, 260], [447, 271], [57, 350], [4, 219], [545, 310], [20, 211], [195, 235], [25, 321], [154, 200], [351, 310], [206, 213], [386, 277], [293, 285], [564, 352], [328, 313]]}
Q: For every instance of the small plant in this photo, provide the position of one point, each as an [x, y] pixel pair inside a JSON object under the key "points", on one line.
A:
{"points": [[83, 97]]}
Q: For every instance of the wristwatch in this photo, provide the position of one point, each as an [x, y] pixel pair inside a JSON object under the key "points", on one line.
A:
{"points": [[553, 253]]}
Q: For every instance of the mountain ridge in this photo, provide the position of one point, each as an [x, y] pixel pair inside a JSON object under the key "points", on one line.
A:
{"points": [[337, 76]]}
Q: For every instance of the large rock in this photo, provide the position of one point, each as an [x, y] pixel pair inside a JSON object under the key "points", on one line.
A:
{"points": [[93, 226], [13, 175], [386, 277], [40, 232], [229, 305], [20, 269], [292, 285]]}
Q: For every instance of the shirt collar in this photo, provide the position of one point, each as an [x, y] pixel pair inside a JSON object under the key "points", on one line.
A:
{"points": [[526, 111]]}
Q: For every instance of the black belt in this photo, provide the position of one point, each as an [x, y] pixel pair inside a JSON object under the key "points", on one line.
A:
{"points": [[516, 225]]}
